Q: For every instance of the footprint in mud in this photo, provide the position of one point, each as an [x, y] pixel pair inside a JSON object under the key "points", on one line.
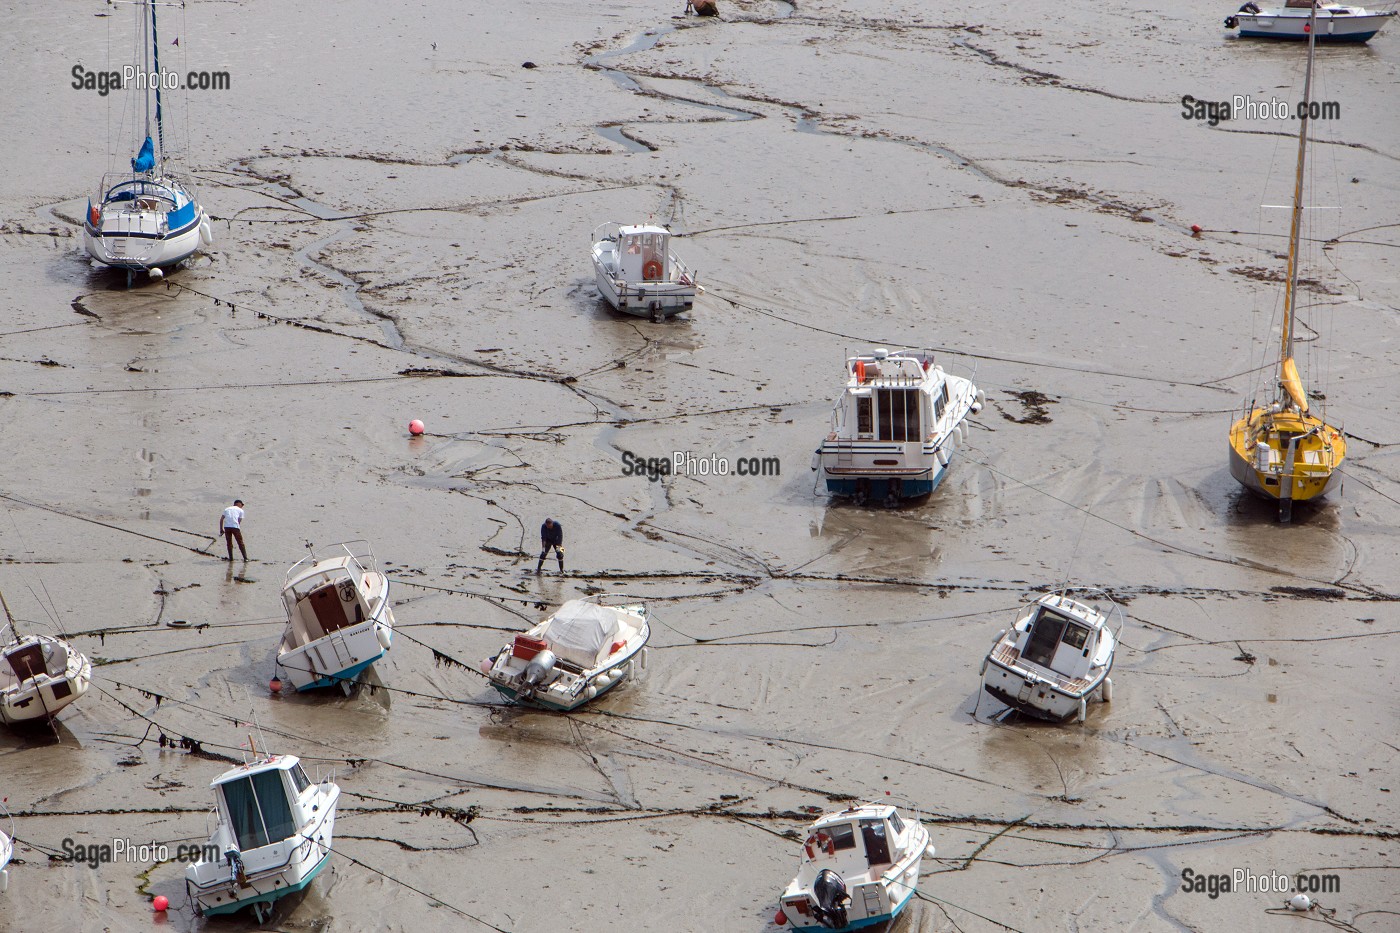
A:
{"points": [[1037, 406]]}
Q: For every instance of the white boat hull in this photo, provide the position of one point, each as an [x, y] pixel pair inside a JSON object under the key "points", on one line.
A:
{"points": [[1290, 23], [40, 698], [339, 657], [339, 618], [656, 299], [571, 687]]}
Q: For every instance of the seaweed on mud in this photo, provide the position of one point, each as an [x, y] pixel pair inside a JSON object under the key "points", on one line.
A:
{"points": [[1037, 407]]}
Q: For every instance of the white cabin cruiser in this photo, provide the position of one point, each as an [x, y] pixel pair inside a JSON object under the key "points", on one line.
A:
{"points": [[860, 867], [339, 621], [581, 652], [39, 676], [638, 274], [1336, 22], [146, 219], [273, 832], [1056, 655], [896, 426]]}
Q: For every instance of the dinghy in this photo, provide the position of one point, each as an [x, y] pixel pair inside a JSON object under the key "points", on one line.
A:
{"points": [[339, 621], [896, 426], [146, 219], [39, 675], [581, 652], [1059, 652], [273, 832], [1336, 22], [638, 274], [859, 867]]}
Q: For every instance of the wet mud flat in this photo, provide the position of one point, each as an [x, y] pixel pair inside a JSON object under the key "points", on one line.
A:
{"points": [[404, 234]]}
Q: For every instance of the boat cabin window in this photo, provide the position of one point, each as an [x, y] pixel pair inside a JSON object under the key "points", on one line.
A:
{"points": [[899, 414], [1045, 636], [843, 836], [299, 779], [877, 847], [257, 808], [896, 823], [865, 420], [1075, 636]]}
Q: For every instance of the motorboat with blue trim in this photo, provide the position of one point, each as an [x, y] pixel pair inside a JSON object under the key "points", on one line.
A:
{"points": [[638, 274], [1335, 22], [147, 219], [1055, 657], [896, 426], [578, 654], [860, 867], [273, 835], [339, 620], [40, 675]]}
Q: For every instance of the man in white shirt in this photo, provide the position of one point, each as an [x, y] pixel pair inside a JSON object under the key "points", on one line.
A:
{"points": [[231, 527]]}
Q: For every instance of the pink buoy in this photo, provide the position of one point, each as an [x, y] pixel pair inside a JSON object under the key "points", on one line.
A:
{"points": [[275, 685], [415, 427], [161, 902], [1196, 229]]}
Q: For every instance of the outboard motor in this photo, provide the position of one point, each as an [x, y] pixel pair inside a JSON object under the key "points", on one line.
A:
{"points": [[832, 899], [538, 670]]}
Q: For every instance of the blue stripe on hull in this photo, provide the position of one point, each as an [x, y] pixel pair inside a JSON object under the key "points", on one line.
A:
{"points": [[350, 673], [270, 896], [878, 486], [1321, 37]]}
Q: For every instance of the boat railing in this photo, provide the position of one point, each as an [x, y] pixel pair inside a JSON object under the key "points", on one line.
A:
{"points": [[360, 553], [612, 230]]}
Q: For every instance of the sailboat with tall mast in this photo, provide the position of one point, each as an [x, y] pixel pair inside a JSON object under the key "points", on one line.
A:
{"points": [[1284, 451], [146, 220]]}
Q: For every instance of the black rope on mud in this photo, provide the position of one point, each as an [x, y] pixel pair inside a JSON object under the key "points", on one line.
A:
{"points": [[81, 518]]}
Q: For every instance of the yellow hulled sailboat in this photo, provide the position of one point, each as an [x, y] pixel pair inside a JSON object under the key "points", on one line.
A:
{"points": [[1283, 451]]}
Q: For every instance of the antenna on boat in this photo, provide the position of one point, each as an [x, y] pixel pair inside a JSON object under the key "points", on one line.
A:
{"points": [[1064, 587]]}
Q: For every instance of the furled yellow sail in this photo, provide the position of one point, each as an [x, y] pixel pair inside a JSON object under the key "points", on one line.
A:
{"points": [[1293, 385]]}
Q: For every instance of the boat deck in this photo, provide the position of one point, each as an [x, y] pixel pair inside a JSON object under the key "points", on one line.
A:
{"points": [[1005, 653]]}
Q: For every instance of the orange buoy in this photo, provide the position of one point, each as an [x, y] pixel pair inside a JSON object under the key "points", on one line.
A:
{"points": [[780, 918]]}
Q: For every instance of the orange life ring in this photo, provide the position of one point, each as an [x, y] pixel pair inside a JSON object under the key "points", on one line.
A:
{"points": [[651, 272], [820, 840]]}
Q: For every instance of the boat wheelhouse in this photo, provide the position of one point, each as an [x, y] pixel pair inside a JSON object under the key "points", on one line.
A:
{"points": [[273, 835], [638, 274], [339, 620], [896, 426], [1058, 652], [860, 867]]}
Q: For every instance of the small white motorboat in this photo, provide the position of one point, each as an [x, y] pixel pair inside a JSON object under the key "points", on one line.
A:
{"points": [[859, 867], [1056, 655], [146, 219], [339, 621], [7, 850], [579, 653], [1336, 22], [39, 676], [273, 832], [896, 426], [638, 274]]}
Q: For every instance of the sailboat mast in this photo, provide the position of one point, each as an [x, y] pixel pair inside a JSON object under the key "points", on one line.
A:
{"points": [[146, 67], [1290, 294], [155, 55], [9, 616]]}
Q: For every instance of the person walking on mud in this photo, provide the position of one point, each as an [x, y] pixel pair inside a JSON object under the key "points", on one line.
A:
{"points": [[551, 536], [231, 527]]}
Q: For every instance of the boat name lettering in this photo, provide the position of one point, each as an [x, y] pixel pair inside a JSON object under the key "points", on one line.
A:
{"points": [[104, 82], [125, 850], [685, 463], [1244, 107]]}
